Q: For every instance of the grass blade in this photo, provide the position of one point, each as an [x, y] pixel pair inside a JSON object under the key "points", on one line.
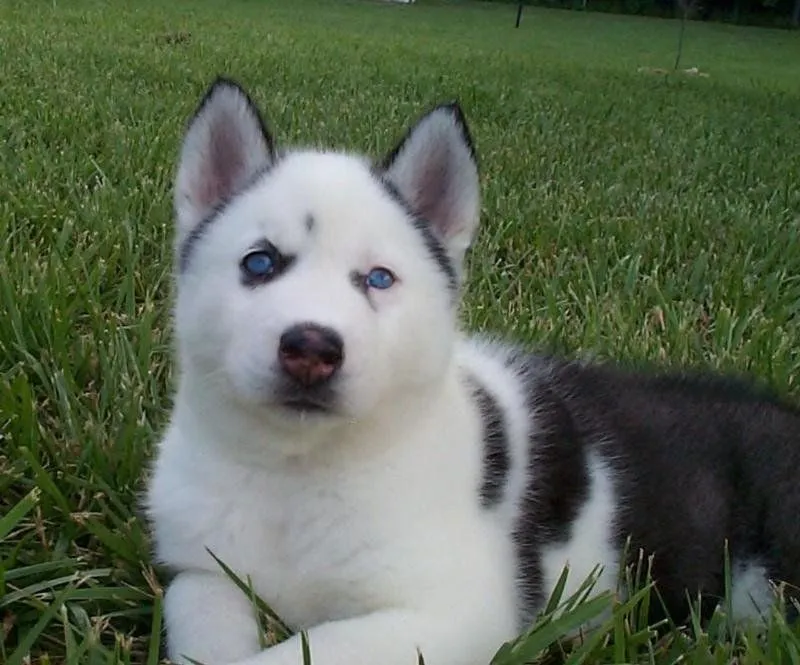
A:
{"points": [[20, 654], [281, 630], [13, 517]]}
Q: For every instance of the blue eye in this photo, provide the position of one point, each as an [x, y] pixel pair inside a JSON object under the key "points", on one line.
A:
{"points": [[258, 264], [380, 278]]}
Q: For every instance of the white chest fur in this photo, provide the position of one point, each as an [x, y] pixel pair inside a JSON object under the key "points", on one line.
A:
{"points": [[338, 533], [301, 540]]}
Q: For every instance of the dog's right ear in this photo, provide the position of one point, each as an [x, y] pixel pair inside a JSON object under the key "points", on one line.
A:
{"points": [[225, 145]]}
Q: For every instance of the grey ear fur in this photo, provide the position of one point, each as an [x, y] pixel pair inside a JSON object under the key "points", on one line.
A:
{"points": [[225, 145], [435, 171]]}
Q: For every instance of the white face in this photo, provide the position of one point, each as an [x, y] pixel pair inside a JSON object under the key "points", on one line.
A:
{"points": [[325, 223], [309, 288]]}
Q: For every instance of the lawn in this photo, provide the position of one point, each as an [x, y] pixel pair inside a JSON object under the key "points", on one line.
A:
{"points": [[626, 214]]}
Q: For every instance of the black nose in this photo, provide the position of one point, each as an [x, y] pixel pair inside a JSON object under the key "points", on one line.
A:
{"points": [[310, 354]]}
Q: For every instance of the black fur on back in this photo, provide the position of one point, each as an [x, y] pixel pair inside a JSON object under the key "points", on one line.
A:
{"points": [[496, 456], [696, 460], [558, 479]]}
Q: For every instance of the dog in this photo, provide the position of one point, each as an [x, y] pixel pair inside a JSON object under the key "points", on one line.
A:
{"points": [[389, 485]]}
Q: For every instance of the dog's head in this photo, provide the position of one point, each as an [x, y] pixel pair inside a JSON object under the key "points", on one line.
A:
{"points": [[317, 284]]}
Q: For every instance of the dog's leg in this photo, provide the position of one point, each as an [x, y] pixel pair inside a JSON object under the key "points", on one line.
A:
{"points": [[208, 620], [388, 637]]}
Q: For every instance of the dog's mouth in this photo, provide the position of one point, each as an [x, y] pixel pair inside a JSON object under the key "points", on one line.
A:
{"points": [[305, 405], [319, 400]]}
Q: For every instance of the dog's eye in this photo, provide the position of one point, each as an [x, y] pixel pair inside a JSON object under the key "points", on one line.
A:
{"points": [[259, 264], [380, 278]]}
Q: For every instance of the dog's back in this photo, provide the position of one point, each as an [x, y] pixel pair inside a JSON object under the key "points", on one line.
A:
{"points": [[694, 463]]}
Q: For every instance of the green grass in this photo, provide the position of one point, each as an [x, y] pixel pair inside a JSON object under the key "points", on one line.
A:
{"points": [[626, 214]]}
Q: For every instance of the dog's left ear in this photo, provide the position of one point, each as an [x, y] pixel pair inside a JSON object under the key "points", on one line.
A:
{"points": [[435, 171]]}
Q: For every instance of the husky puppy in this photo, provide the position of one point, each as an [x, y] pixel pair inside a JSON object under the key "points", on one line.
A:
{"points": [[388, 484]]}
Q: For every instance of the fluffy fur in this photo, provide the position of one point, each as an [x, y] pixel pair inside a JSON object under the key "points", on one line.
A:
{"points": [[425, 495]]}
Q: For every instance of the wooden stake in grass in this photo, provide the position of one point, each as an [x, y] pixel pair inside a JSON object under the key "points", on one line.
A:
{"points": [[685, 6]]}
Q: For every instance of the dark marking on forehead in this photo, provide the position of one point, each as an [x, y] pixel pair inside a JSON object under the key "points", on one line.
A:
{"points": [[200, 230], [310, 222], [435, 247], [496, 454]]}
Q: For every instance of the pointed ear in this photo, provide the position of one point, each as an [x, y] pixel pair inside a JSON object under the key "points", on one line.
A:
{"points": [[435, 171], [225, 145]]}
